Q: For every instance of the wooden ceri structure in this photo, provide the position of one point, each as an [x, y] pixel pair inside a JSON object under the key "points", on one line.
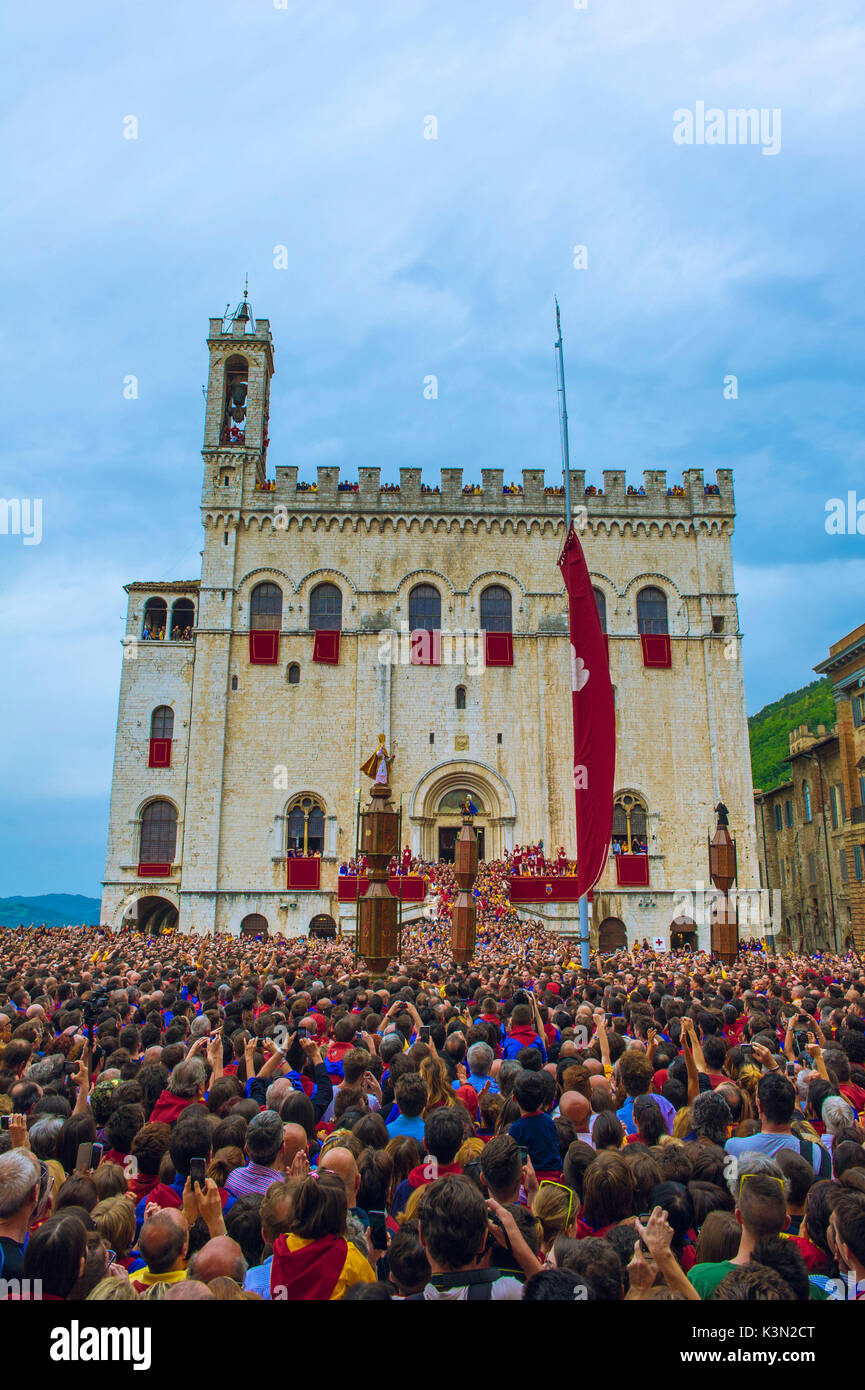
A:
{"points": [[378, 910], [723, 868], [465, 912]]}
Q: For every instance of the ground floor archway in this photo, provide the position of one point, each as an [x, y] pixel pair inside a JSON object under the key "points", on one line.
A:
{"points": [[612, 935], [683, 934], [152, 915], [322, 926], [254, 925]]}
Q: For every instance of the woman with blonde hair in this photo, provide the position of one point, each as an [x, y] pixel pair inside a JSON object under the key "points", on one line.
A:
{"points": [[438, 1088], [114, 1218], [555, 1208]]}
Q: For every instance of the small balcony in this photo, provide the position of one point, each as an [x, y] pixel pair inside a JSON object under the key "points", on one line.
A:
{"points": [[632, 870]]}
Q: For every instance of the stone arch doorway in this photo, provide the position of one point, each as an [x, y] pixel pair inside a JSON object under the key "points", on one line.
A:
{"points": [[152, 915], [612, 935], [323, 926], [449, 819], [254, 925], [683, 934], [435, 815]]}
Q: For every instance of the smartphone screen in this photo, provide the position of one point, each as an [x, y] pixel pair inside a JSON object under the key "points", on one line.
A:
{"points": [[5, 1121], [423, 1034], [524, 1153], [83, 1158], [198, 1171], [378, 1229], [746, 1052], [96, 1155]]}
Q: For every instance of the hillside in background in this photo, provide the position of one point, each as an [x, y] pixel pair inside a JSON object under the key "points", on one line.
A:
{"points": [[769, 730], [54, 909]]}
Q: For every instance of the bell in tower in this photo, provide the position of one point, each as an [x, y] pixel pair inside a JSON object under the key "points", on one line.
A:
{"points": [[236, 393]]}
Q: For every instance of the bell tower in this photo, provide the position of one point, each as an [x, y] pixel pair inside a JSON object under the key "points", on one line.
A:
{"points": [[238, 404]]}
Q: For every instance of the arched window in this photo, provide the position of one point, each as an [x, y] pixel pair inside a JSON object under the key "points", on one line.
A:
{"points": [[265, 608], [325, 608], [630, 825], [424, 609], [806, 796], [602, 608], [496, 608], [162, 722], [460, 700], [182, 620], [236, 392], [155, 619], [294, 674], [652, 611], [158, 833], [306, 827]]}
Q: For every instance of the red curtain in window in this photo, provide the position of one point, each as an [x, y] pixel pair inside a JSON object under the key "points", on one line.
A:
{"points": [[499, 649], [426, 648], [656, 649], [263, 648], [154, 870], [326, 648], [160, 753], [303, 874]]}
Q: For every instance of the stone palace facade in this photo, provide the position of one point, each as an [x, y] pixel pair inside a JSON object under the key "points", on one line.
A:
{"points": [[329, 612]]}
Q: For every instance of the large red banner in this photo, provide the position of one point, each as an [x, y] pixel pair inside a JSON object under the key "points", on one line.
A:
{"points": [[594, 719]]}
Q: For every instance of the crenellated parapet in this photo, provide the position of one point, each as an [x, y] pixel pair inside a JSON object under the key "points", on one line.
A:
{"points": [[653, 502]]}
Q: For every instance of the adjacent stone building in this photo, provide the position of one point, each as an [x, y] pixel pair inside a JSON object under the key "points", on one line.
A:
{"points": [[811, 829], [330, 611]]}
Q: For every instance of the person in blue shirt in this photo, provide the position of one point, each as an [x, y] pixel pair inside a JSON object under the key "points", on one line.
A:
{"points": [[535, 1129], [522, 1034], [480, 1058], [411, 1097]]}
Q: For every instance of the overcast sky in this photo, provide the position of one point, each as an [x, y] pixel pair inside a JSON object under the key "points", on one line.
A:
{"points": [[303, 127]]}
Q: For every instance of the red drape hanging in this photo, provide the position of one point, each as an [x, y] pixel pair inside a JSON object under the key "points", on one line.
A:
{"points": [[594, 719], [325, 648], [499, 649]]}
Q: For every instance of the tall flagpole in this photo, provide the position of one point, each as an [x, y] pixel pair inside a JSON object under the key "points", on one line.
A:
{"points": [[566, 470], [563, 416]]}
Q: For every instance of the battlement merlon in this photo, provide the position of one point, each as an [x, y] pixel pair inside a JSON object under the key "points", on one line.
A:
{"points": [[538, 497]]}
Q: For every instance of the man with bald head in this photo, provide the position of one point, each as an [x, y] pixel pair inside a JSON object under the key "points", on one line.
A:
{"points": [[220, 1256], [163, 1243], [342, 1162], [575, 1107]]}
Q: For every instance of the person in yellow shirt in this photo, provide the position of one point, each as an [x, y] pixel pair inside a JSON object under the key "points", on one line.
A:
{"points": [[163, 1243], [314, 1261]]}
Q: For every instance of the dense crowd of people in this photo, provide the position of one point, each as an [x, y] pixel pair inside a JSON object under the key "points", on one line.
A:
{"points": [[203, 1118]]}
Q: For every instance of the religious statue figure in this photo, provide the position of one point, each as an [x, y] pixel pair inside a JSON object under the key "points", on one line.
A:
{"points": [[377, 766]]}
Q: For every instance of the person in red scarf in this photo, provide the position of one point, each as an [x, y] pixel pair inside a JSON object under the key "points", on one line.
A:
{"points": [[314, 1261]]}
